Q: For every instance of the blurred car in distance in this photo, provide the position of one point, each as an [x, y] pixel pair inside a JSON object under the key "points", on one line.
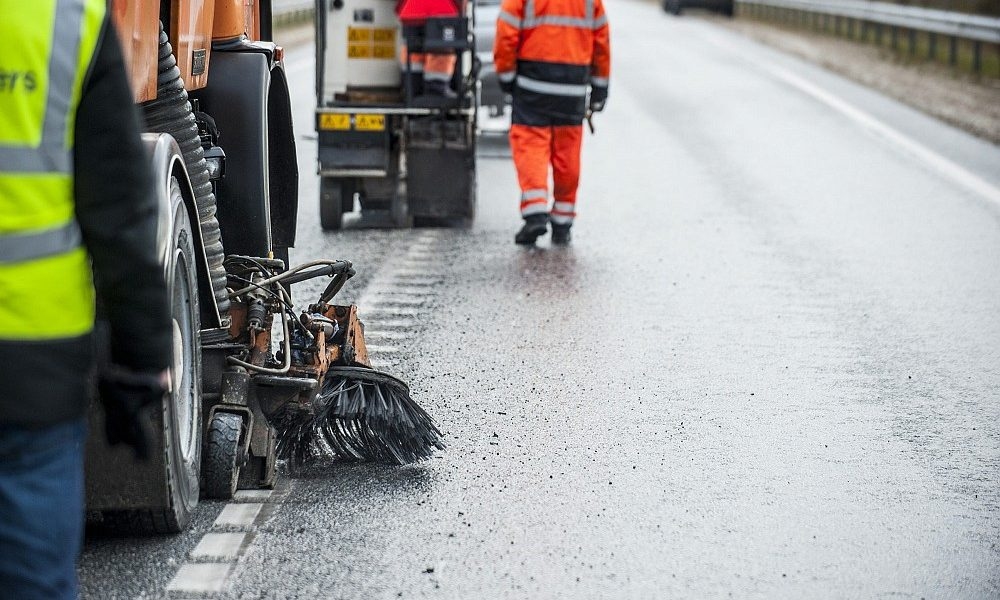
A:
{"points": [[675, 7], [491, 98]]}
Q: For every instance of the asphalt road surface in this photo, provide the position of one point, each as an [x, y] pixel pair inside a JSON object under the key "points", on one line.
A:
{"points": [[768, 366]]}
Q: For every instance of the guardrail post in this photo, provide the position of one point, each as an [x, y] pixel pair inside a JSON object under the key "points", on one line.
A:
{"points": [[952, 50], [913, 42], [977, 57], [932, 46], [895, 38]]}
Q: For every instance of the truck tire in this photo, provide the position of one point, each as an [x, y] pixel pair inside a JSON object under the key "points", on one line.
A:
{"points": [[178, 425], [331, 203], [220, 471], [182, 415]]}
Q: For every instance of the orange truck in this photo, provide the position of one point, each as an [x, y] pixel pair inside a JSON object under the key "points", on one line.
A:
{"points": [[214, 95]]}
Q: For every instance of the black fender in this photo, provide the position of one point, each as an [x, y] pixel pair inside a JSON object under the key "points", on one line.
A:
{"points": [[166, 161], [247, 95]]}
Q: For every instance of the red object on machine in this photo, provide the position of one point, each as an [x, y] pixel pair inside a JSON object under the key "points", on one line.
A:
{"points": [[416, 12]]}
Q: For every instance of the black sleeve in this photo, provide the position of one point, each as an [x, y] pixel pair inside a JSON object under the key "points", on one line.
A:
{"points": [[117, 212]]}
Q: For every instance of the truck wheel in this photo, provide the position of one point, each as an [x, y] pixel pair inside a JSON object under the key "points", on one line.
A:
{"points": [[331, 204], [182, 415], [221, 472], [180, 422]]}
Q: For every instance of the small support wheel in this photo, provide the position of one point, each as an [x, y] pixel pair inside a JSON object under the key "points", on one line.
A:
{"points": [[220, 470]]}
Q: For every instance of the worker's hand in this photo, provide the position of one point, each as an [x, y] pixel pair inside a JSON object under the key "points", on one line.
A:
{"points": [[598, 98], [127, 395]]}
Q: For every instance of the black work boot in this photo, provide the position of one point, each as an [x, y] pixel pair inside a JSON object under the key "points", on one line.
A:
{"points": [[534, 226], [561, 235]]}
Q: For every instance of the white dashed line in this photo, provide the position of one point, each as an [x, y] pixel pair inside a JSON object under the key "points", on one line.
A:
{"points": [[252, 495], [219, 547], [377, 349], [238, 516], [200, 578]]}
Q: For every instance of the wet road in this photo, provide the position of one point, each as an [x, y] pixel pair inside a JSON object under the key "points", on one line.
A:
{"points": [[767, 367]]}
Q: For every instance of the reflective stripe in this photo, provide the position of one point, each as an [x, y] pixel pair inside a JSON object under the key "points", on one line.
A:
{"points": [[434, 76], [599, 81], [530, 20], [561, 219], [534, 194], [565, 208], [562, 21], [510, 19], [33, 245], [506, 76], [537, 208], [52, 154], [554, 89]]}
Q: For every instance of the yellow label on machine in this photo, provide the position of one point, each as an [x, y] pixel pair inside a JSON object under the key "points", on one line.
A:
{"points": [[369, 122], [329, 121], [369, 42]]}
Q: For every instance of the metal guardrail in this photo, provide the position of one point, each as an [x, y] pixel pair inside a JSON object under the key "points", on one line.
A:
{"points": [[959, 25], [292, 11]]}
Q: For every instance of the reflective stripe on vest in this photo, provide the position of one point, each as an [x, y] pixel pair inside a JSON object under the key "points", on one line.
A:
{"points": [[46, 48], [531, 21]]}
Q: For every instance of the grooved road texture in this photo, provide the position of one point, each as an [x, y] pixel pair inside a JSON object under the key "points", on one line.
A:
{"points": [[766, 367]]}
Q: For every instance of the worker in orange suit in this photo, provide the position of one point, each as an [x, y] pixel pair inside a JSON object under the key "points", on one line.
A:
{"points": [[547, 54], [437, 70], [437, 67]]}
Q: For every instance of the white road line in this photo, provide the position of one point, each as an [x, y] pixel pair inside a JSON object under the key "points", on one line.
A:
{"points": [[386, 335], [238, 516], [398, 302], [943, 165], [200, 578], [399, 292], [252, 495], [219, 547], [397, 323], [395, 311], [415, 272], [377, 349]]}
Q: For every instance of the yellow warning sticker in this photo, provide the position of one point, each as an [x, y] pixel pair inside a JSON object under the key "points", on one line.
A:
{"points": [[329, 121], [369, 42], [369, 122]]}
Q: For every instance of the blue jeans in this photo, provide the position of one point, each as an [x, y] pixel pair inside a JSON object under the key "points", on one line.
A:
{"points": [[41, 510]]}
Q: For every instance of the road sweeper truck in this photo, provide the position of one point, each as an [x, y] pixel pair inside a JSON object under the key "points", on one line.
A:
{"points": [[253, 380], [393, 137]]}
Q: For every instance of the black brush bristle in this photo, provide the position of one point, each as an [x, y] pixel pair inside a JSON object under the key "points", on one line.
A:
{"points": [[359, 414]]}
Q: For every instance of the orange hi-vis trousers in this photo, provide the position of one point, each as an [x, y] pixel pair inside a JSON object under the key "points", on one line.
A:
{"points": [[434, 66], [534, 149]]}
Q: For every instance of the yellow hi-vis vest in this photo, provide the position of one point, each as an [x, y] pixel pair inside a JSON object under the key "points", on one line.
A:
{"points": [[46, 48]]}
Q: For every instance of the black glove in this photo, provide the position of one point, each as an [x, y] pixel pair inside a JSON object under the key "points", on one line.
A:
{"points": [[598, 98], [507, 87], [126, 396]]}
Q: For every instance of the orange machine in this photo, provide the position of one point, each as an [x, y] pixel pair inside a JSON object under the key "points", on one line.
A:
{"points": [[213, 93]]}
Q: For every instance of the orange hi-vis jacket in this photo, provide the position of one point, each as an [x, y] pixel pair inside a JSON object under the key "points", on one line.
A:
{"points": [[552, 50]]}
